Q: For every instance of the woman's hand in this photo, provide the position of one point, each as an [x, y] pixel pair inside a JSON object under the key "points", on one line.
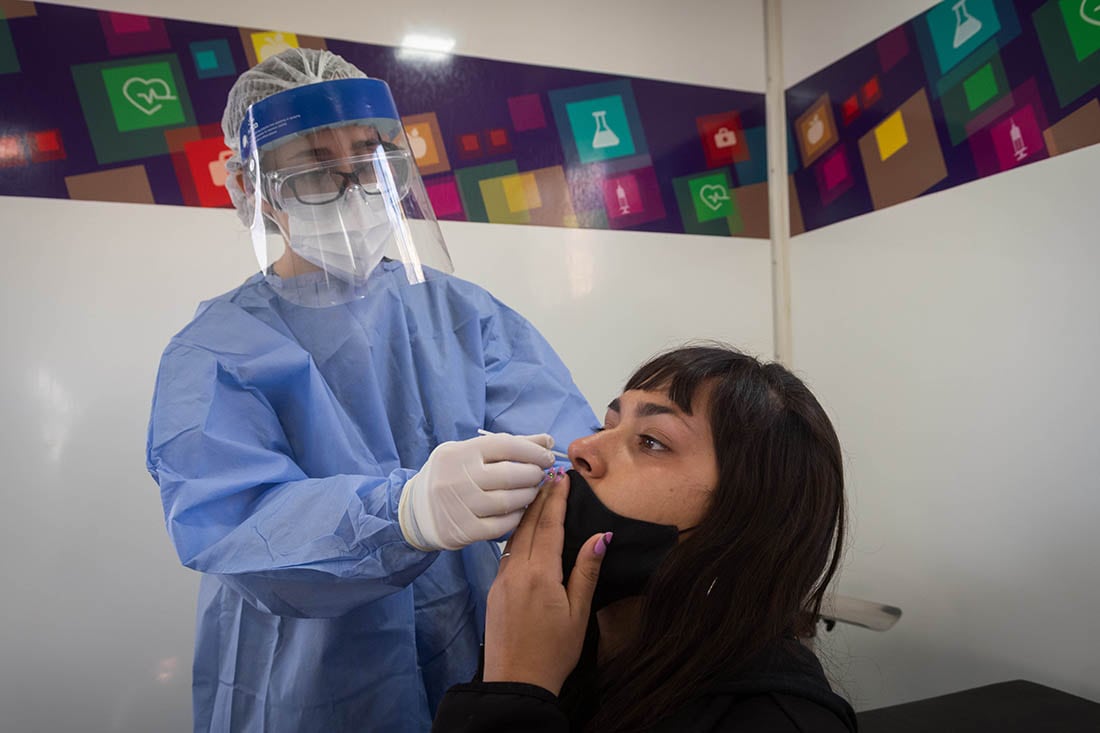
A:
{"points": [[535, 626]]}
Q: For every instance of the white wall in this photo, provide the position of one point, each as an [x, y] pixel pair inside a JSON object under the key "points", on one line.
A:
{"points": [[715, 43], [815, 34], [954, 341], [97, 615]]}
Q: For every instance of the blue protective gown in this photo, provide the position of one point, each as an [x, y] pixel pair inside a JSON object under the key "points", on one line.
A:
{"points": [[281, 438]]}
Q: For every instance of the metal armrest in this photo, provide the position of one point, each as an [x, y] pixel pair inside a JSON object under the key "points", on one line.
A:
{"points": [[858, 612]]}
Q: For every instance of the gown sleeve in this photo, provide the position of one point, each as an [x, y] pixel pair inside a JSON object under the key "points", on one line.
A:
{"points": [[492, 707], [238, 506]]}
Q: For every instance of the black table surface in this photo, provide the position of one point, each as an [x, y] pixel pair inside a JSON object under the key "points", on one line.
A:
{"points": [[1006, 707]]}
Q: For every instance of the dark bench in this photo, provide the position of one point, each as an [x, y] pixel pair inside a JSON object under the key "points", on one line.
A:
{"points": [[1007, 707]]}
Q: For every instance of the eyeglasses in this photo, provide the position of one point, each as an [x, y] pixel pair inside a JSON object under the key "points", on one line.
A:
{"points": [[317, 184]]}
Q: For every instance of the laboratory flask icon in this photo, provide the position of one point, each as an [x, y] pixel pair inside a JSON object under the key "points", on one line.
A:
{"points": [[605, 137], [966, 25], [1019, 147]]}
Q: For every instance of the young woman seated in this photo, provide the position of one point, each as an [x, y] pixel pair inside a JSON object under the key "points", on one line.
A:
{"points": [[696, 535]]}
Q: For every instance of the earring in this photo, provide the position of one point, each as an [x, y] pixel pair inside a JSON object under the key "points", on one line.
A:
{"points": [[712, 585]]}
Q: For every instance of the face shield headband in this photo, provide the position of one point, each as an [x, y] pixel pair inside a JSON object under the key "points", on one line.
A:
{"points": [[346, 212]]}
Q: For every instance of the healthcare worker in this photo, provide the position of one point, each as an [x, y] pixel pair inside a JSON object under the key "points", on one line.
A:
{"points": [[314, 432]]}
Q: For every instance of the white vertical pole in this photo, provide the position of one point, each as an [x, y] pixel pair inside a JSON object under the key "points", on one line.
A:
{"points": [[778, 194]]}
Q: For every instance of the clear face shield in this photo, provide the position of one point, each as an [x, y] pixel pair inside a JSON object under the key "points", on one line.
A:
{"points": [[339, 204]]}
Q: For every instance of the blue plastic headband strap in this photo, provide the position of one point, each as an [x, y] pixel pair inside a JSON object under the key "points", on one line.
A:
{"points": [[312, 106]]}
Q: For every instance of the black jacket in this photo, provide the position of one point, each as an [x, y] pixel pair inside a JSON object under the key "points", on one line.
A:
{"points": [[784, 691]]}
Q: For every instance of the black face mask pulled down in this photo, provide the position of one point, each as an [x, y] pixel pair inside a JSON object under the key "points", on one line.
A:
{"points": [[633, 555]]}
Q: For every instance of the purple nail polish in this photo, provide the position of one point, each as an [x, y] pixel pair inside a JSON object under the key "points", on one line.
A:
{"points": [[601, 547]]}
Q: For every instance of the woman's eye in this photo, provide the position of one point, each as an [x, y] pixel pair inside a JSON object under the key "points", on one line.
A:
{"points": [[365, 173], [652, 444], [598, 429]]}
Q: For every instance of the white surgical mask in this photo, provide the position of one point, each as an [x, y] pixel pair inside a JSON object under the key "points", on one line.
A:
{"points": [[346, 238]]}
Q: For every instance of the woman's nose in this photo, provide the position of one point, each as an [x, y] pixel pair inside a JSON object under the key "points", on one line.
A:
{"points": [[587, 456]]}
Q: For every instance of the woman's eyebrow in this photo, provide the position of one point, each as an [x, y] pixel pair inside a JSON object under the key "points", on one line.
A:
{"points": [[648, 409], [322, 153], [311, 154], [366, 144], [645, 409]]}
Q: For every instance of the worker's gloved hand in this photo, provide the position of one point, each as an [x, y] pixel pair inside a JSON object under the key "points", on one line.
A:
{"points": [[473, 490]]}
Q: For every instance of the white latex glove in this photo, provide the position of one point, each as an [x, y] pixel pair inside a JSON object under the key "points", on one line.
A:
{"points": [[473, 490]]}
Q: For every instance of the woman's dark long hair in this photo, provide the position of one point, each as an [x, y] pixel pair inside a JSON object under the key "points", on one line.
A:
{"points": [[756, 568]]}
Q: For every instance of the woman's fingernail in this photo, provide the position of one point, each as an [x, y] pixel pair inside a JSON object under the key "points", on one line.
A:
{"points": [[602, 543]]}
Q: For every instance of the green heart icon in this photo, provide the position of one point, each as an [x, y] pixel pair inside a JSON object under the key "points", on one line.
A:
{"points": [[714, 195], [1090, 11], [711, 197], [148, 95], [143, 96]]}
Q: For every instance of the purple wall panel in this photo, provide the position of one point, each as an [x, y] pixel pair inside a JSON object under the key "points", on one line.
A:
{"points": [[61, 74], [1008, 82]]}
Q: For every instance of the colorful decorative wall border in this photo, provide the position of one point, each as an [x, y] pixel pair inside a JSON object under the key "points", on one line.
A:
{"points": [[114, 107], [968, 89]]}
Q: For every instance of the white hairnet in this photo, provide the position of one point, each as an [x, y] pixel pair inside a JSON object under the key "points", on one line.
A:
{"points": [[294, 67]]}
